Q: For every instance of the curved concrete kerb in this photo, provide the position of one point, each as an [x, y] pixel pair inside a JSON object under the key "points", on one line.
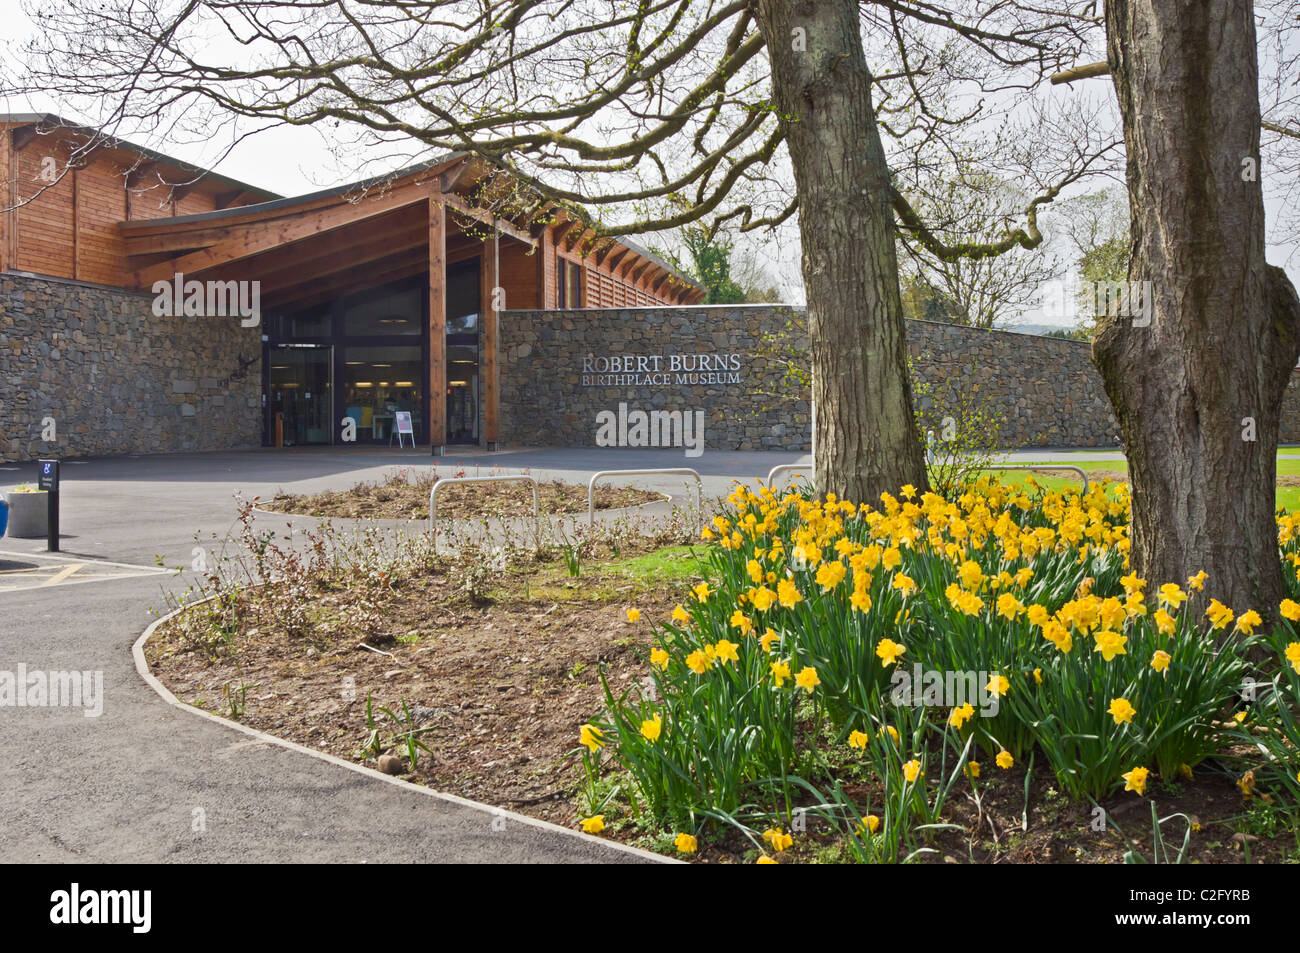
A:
{"points": [[142, 666]]}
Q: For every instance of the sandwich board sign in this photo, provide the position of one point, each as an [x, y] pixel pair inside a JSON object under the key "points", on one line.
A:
{"points": [[404, 427]]}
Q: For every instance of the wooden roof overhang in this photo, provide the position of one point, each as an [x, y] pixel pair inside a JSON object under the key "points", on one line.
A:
{"points": [[312, 248]]}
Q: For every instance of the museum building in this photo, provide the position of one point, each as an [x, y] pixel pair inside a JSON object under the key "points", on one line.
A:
{"points": [[148, 305]]}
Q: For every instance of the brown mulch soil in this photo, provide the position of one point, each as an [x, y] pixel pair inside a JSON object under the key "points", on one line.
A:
{"points": [[500, 690], [405, 500]]}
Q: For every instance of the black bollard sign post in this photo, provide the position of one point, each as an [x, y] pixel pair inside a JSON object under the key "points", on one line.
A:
{"points": [[49, 482]]}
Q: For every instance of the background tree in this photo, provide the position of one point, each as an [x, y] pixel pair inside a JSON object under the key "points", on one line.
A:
{"points": [[630, 117], [970, 207], [708, 260], [1095, 226]]}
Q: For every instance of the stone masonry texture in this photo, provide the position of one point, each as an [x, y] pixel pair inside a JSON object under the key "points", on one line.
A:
{"points": [[1044, 392], [116, 379]]}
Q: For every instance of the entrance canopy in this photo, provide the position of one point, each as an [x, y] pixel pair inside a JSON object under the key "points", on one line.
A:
{"points": [[314, 248]]}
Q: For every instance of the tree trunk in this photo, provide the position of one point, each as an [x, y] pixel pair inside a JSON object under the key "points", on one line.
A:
{"points": [[1198, 391], [865, 439]]}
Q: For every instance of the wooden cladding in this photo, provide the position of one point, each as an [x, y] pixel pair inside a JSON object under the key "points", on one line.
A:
{"points": [[64, 213]]}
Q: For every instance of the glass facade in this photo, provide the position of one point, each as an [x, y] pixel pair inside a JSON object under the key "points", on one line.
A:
{"points": [[365, 357]]}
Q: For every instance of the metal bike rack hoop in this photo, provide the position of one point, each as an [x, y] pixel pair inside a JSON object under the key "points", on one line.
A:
{"points": [[667, 471]]}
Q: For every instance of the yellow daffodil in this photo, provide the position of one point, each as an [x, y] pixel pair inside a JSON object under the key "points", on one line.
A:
{"points": [[762, 598], [889, 651], [592, 738], [686, 844], [788, 593], [912, 771], [594, 824], [1247, 621], [680, 614], [1292, 654], [1110, 644], [1121, 710], [1219, 614], [807, 679], [1135, 780], [1004, 760], [780, 672], [659, 658], [697, 662], [725, 651], [1290, 610], [778, 839], [1160, 661]]}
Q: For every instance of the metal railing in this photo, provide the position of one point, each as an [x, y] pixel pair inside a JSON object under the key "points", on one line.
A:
{"points": [[433, 495], [784, 468], [667, 471], [1042, 466]]}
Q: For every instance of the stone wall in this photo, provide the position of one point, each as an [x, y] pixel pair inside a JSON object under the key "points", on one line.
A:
{"points": [[544, 356], [1043, 391], [116, 379]]}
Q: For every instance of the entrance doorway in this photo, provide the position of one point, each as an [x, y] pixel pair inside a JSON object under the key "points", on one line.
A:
{"points": [[301, 392], [463, 302]]}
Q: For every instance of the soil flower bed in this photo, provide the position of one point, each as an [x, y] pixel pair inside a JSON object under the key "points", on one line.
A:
{"points": [[732, 701], [403, 497]]}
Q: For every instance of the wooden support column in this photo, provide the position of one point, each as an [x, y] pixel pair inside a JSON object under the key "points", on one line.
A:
{"points": [[6, 200], [437, 381], [490, 290]]}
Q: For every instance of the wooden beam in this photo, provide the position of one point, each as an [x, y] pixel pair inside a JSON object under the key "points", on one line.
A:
{"points": [[256, 238], [490, 282], [487, 218], [437, 265], [572, 241], [76, 225], [602, 252], [459, 174], [226, 199], [315, 265], [138, 172], [22, 136], [638, 270], [613, 260], [339, 283], [6, 202], [560, 230]]}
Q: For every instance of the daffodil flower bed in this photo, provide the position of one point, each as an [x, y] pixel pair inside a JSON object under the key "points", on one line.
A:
{"points": [[785, 665]]}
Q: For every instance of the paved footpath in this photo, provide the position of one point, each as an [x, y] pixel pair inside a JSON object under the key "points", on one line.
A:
{"points": [[130, 784], [133, 783]]}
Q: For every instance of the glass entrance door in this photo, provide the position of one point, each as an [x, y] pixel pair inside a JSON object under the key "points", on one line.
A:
{"points": [[301, 392], [463, 301]]}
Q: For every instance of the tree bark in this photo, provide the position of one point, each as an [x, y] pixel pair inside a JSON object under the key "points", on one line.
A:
{"points": [[866, 439], [1210, 370]]}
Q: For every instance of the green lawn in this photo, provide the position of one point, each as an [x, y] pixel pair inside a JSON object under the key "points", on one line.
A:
{"points": [[1287, 464]]}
